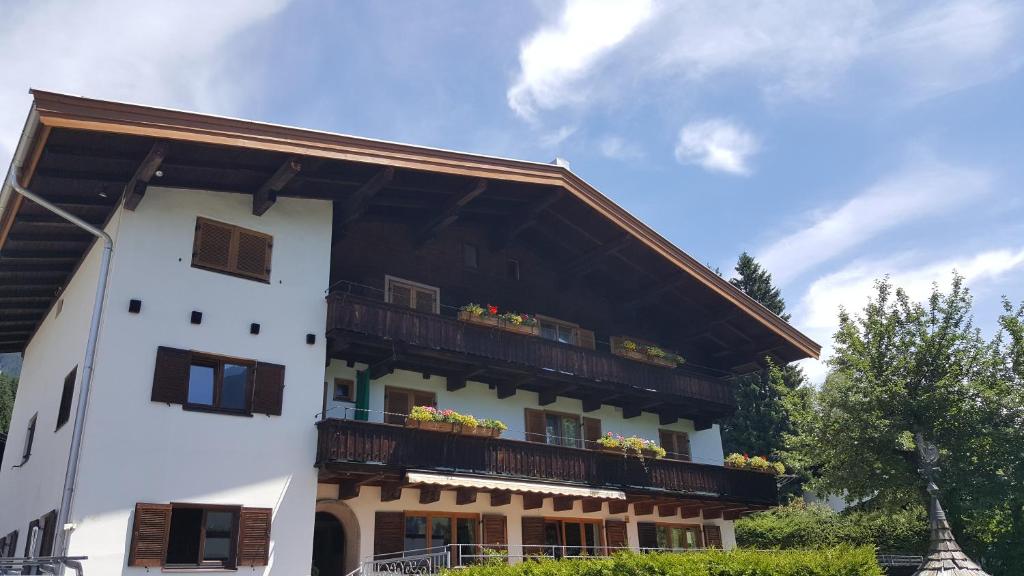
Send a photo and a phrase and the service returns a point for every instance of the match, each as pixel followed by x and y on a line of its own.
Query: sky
pixel 836 142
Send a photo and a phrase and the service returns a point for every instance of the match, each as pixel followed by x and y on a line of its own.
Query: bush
pixel 840 561
pixel 800 525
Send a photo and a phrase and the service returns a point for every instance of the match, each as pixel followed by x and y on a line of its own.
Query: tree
pixel 902 368
pixel 8 388
pixel 756 282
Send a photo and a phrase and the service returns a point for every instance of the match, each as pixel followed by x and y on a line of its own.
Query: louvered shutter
pixel 495 533
pixel 683 445
pixel 149 535
pixel 591 432
pixel 253 254
pixel 648 533
pixel 170 378
pixel 533 535
pixel 268 389
pixel 49 532
pixel 585 338
pixel 254 536
pixel 212 246
pixel 615 534
pixel 712 536
pixel 535 428
pixel 396 405
pixel 232 249
pixel 388 533
pixel 12 544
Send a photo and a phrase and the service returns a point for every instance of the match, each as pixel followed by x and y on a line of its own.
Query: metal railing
pixel 42 565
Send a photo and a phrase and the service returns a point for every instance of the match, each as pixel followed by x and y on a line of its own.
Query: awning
pixel 512 486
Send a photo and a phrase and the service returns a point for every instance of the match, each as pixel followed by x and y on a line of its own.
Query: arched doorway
pixel 328 546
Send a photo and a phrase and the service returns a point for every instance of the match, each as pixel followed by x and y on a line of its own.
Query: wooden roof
pixel 84 154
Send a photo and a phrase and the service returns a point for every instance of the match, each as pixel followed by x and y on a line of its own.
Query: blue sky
pixel 837 141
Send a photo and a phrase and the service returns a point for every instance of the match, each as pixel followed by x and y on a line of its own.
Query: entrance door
pixel 328 546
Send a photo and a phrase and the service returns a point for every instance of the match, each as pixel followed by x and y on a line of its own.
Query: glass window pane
pixel 691 538
pixel 200 385
pixel 573 539
pixel 401 295
pixel 590 535
pixel 570 432
pixel 424 301
pixel 565 335
pixel 440 532
pixel 663 537
pixel 469 256
pixel 184 535
pixel 548 331
pixel 552 428
pixel 232 391
pixel 466 530
pixel 415 533
pixel 218 536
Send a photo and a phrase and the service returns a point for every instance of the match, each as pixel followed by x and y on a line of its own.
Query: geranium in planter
pixel 630 446
pixel 757 463
pixel 430 418
pixel 645 352
pixel 490 316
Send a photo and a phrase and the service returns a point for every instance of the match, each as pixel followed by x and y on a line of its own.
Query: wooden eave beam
pixel 653 290
pixel 356 204
pixel 590 259
pixel 266 195
pixel 449 213
pixel 527 218
pixel 135 189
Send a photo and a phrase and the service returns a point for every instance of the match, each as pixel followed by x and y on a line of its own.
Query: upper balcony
pixel 387 337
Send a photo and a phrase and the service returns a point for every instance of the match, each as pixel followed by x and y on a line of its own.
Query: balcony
pixel 347 445
pixel 388 337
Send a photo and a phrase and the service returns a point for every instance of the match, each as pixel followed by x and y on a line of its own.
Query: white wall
pixel 136 450
pixel 480 401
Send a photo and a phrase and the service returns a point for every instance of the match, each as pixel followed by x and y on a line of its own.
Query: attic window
pixel 470 256
pixel 231 249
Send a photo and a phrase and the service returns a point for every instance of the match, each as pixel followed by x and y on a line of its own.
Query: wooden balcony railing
pixel 360 315
pixel 349 441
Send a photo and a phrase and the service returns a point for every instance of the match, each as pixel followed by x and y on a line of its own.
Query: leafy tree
pixel 8 388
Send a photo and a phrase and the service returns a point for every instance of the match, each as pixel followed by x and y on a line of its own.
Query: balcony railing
pixel 388 445
pixel 364 316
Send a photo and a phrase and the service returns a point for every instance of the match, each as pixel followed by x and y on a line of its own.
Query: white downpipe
pixel 71 476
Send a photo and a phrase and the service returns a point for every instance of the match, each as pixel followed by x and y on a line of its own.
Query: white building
pixel 279 299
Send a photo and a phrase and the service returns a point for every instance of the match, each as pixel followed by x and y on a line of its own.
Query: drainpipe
pixel 71 475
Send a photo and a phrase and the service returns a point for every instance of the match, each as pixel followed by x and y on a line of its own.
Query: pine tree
pixel 756 282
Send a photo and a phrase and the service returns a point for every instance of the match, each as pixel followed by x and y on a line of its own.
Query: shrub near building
pixel 841 561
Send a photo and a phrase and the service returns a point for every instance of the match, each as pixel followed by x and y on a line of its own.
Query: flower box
pixel 480 431
pixel 645 453
pixel 618 348
pixel 495 322
pixel 448 427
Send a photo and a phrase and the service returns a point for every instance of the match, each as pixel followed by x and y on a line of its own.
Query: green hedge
pixel 840 561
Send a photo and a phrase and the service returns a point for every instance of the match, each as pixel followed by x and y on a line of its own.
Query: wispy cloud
pixel 817 312
pixel 168 53
pixel 718 145
pixel 558 54
pixel 617 148
pixel 915 193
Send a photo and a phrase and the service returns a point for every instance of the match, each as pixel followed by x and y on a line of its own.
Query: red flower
pixel 491 308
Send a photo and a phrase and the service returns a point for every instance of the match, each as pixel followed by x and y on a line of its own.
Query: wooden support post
pixel 506 391
pixel 591 404
pixel 465 496
pixel 455 382
pixel 532 501
pixel 429 494
pixel 136 187
pixel 449 213
pixel 348 489
pixel 355 205
pixel 702 424
pixel 664 418
pixel 501 498
pixel 563 503
pixel 266 195
pixel 631 412
pixel 547 397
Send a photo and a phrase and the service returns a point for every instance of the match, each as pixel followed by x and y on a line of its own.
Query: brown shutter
pixel 712 536
pixel 683 445
pixel 648 533
pixel 591 432
pixel 396 405
pixel 533 535
pixel 388 533
pixel 49 531
pixel 268 389
pixel 149 535
pixel 585 338
pixel 254 536
pixel 212 245
pixel 615 534
pixel 536 431
pixel 495 533
pixel 253 254
pixel 170 378
pixel 12 544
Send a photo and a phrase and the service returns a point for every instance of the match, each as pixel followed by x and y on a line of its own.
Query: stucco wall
pixel 136 450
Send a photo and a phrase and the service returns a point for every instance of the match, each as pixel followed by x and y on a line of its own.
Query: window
pixel 576 537
pixel 419 297
pixel 217 383
pixel 398 402
pixel 512 269
pixel 231 249
pixel 678 537
pixel 9 545
pixel 676 444
pixel 30 436
pixel 64 412
pixel 470 256
pixel 344 390
pixel 199 536
pixel 436 529
pixel 563 430
pixel 557 330
pixel 202 536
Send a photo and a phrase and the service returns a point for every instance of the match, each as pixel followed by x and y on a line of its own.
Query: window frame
pixel 698 529
pixel 30 438
pixel 411 392
pixel 414 287
pixel 510 265
pixel 67 395
pixel 572 326
pixel 232 268
pixel 467 250
pixel 674 455
pixel 351 396
pixel 217 362
pixel 600 545
pixel 454 517
pixel 581 441
pixel 204 564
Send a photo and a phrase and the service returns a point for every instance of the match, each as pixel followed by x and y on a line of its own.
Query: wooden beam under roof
pixel 135 189
pixel 449 213
pixel 266 195
pixel 525 219
pixel 591 258
pixel 355 205
pixel 655 289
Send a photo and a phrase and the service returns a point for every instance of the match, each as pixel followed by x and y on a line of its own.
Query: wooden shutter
pixel 533 535
pixel 536 431
pixel 212 245
pixel 170 378
pixel 683 445
pixel 585 338
pixel 254 536
pixel 495 533
pixel 677 444
pixel 232 249
pixel 615 534
pixel 268 389
pixel 591 432
pixel 648 533
pixel 396 405
pixel 149 535
pixel 253 254
pixel 12 544
pixel 49 532
pixel 388 533
pixel 712 536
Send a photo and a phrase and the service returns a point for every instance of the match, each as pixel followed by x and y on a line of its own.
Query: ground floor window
pixel 678 537
pixel 573 537
pixel 425 530
pixel 202 536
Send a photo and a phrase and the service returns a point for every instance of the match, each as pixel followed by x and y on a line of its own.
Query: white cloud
pixel 553 139
pixel 915 193
pixel 558 54
pixel 616 148
pixel 817 312
pixel 168 53
pixel 718 145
